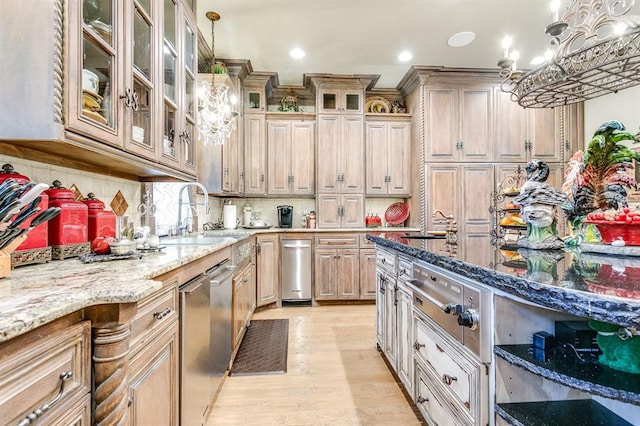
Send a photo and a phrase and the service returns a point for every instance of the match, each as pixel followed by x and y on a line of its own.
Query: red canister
pixel 70 226
pixel 38 237
pixel 102 223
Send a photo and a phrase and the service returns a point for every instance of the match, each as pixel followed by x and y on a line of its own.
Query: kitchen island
pixel 531 290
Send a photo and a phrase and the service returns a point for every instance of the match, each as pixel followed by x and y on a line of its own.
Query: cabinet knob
pixel 130 98
pixel 421 400
pixel 417 345
pixel 185 136
pixel 447 379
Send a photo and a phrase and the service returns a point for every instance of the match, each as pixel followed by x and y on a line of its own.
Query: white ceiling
pixel 366 36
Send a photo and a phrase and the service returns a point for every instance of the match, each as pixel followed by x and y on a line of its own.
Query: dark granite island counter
pixel 532 290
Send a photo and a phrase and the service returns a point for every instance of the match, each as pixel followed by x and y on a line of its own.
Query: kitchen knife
pixel 10 193
pixel 34 192
pixel 47 214
pixel 24 215
pixel 8 211
pixel 12 233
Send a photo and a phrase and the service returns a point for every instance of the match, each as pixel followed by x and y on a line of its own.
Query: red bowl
pixel 611 231
pixel 396 213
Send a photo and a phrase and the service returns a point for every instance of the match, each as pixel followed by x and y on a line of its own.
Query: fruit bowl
pixel 611 230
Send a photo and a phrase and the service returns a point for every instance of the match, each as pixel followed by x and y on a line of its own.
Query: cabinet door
pixel 367 274
pixel 302 165
pixel 280 157
pixel 476 129
pixel 326 287
pixel 380 308
pixel 377 149
pixel 442 193
pixel 352 154
pixel 268 270
pixel 255 99
pixel 391 321
pixel 511 129
pixel 329 146
pixel 545 141
pixel 399 159
pixel 441 124
pixel 348 274
pixel 96 55
pixel 352 211
pixel 405 340
pixel 328 210
pixel 476 185
pixel 153 385
pixel 573 138
pixel 255 154
pixel 337 100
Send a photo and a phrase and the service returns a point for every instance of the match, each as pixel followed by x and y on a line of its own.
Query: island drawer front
pixel 339 241
pixel 386 260
pixel 405 268
pixel 154 311
pixel 33 369
pixel 434 406
pixel 456 373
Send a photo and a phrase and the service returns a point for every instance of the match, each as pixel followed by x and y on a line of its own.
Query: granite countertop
pixel 602 287
pixel 37 294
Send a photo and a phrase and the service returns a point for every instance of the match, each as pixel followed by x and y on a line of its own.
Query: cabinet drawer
pixel 153 312
pixel 350 241
pixel 364 243
pixel 405 268
pixel 32 369
pixel 386 260
pixel 435 407
pixel 455 372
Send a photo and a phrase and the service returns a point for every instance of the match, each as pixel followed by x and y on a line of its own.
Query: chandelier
pixel 595 51
pixel 216 117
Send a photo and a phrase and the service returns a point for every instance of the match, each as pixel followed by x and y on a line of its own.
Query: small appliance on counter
pixel 35 249
pixel 247 212
pixel 229 215
pixel 101 222
pixel 285 216
pixel 69 231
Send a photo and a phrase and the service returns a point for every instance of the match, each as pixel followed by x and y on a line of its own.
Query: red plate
pixel 396 213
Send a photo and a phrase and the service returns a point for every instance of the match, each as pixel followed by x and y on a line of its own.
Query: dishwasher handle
pixel 220 276
pixel 194 284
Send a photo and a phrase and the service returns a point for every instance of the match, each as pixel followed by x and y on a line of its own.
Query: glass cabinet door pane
pixel 329 101
pixel 142 116
pixel 189 3
pixel 146 5
pixel 97 14
pixel 353 102
pixel 190 49
pixel 169 133
pixel 170 61
pixel 254 100
pixel 189 91
pixel 170 22
pixel 97 72
pixel 142 44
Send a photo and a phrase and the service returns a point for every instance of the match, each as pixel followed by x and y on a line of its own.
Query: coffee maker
pixel 285 216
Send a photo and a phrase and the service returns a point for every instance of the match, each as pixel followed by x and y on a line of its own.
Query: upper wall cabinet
pixel 113 79
pixel 458 122
pixel 388 151
pixel 339 100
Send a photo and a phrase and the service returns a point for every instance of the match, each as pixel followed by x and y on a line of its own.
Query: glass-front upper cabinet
pixel 170 152
pixel 336 100
pixel 93 67
pixel 188 133
pixel 140 80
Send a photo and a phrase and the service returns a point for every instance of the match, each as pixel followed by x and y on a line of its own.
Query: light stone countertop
pixel 34 295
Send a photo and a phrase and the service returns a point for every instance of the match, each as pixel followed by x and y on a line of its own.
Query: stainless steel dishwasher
pixel 205 340
pixel 295 270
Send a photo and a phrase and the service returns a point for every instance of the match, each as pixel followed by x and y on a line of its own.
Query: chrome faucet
pixel 451 228
pixel 191 205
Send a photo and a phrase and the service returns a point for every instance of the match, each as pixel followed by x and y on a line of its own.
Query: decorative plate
pixel 380 103
pixel 396 213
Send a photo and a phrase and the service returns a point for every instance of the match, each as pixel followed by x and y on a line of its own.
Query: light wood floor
pixel 335 376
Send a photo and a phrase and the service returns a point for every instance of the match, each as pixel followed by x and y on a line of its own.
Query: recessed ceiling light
pixel 405 56
pixel 297 53
pixel 461 39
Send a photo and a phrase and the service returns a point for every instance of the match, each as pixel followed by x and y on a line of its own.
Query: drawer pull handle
pixel 447 379
pixel 421 400
pixel 417 345
pixel 162 314
pixel 35 414
pixel 439 348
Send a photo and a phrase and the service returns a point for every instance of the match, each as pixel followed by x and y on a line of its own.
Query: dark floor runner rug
pixel 263 349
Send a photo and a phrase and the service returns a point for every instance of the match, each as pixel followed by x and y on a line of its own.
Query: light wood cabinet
pixel 340 168
pixel 340 100
pixel 244 302
pixel 523 134
pixel 337 267
pixel 340 210
pixel 462 190
pixel 458 122
pixel 367 274
pixel 52 360
pixel 388 152
pixel 268 268
pixel 291 156
pixel 255 154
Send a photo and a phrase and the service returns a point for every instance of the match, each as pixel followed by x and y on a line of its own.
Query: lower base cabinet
pixel 244 302
pixel 268 269
pixel 337 275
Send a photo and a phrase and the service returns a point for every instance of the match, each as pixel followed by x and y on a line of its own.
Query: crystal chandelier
pixel 216 117
pixel 595 50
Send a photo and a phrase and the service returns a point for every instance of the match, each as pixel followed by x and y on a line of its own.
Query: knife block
pixel 5 256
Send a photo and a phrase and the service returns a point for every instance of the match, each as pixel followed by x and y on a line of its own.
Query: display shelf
pixel 506 189
pixel 583 412
pixel 562 366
